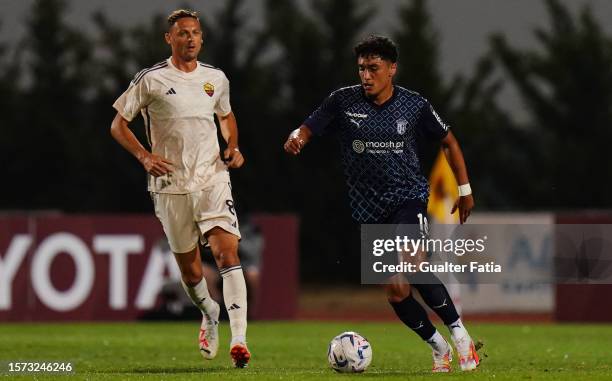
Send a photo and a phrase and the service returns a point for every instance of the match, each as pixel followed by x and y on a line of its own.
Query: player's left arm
pixel 454 156
pixel 229 130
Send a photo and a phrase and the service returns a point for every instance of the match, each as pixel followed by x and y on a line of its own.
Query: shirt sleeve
pixel 322 119
pixel 223 107
pixel 134 99
pixel 430 123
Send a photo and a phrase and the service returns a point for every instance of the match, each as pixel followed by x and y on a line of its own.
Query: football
pixel 349 352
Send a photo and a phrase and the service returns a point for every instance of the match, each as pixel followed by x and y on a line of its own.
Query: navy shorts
pixel 412 216
pixel 408 213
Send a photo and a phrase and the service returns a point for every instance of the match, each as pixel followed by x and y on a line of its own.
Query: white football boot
pixel 442 361
pixel 209 334
pixel 468 357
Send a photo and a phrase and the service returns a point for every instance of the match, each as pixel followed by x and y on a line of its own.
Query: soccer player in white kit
pixel 188 179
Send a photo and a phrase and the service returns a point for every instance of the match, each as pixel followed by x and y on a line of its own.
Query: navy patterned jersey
pixel 379 146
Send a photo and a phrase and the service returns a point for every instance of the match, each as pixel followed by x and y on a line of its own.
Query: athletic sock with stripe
pixel 235 296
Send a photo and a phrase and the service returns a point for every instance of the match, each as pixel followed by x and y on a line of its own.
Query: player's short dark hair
pixel 179 14
pixel 374 45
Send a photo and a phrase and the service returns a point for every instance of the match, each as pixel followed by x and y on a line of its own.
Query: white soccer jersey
pixel 178 109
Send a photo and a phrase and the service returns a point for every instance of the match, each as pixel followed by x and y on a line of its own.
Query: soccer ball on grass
pixel 349 352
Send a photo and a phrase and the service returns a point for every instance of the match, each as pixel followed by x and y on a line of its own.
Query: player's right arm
pixel 317 123
pixel 128 105
pixel 297 139
pixel 153 164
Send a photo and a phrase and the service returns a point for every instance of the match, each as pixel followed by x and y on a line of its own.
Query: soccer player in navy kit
pixel 379 125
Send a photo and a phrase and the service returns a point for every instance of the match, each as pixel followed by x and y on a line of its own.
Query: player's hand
pixel 465 205
pixel 294 143
pixel 233 157
pixel 156 165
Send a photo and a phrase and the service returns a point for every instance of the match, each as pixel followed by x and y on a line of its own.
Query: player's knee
pixel 397 292
pixel 226 255
pixel 192 277
pixel 191 273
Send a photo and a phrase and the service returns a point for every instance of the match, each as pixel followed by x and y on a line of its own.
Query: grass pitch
pixel 297 351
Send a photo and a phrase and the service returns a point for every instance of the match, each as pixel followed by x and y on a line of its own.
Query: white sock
pixel 235 296
pixel 200 297
pixel 438 343
pixel 457 330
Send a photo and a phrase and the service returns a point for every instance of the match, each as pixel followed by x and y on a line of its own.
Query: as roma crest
pixel 209 89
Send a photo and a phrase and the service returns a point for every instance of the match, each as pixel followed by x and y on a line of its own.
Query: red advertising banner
pixel 113 267
pixel 582 302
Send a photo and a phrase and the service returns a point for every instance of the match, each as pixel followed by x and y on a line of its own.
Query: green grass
pixel 297 351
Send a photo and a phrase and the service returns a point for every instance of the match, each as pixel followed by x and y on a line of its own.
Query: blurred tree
pixel 10 106
pixel 489 139
pixel 342 23
pixel 59 59
pixel 469 105
pixel 419 67
pixel 114 63
pixel 314 58
pixel 254 84
pixel 10 77
pixel 121 180
pixel 567 88
pixel 148 43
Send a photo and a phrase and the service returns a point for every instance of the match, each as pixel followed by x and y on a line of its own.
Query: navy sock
pixel 411 313
pixel 435 295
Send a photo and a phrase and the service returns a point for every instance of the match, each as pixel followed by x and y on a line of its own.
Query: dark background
pixel 58 82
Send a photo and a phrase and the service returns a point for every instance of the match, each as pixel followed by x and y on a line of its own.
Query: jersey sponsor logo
pixel 358 146
pixel 442 124
pixel 209 89
pixel 355 122
pixel 356 115
pixel 390 146
pixel 401 126
pixel 171 91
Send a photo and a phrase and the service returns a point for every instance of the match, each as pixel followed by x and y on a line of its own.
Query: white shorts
pixel 186 218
